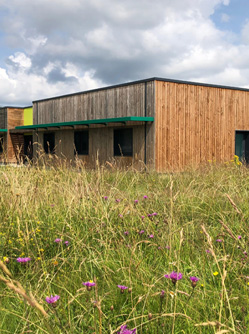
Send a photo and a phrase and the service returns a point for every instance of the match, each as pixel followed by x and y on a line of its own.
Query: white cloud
pixel 73 45
pixel 21 60
pixel 20 87
pixel 225 18
pixel 245 33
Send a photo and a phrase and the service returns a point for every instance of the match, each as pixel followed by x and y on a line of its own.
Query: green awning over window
pixel 3 130
pixel 104 121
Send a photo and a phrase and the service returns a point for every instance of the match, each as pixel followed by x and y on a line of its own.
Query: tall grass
pixel 102 214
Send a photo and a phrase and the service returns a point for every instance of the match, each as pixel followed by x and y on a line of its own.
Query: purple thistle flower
pixel 162 294
pixel 89 285
pixel 194 280
pixel 174 276
pixel 208 251
pixel 122 288
pixel 149 215
pixel 167 247
pixel 124 330
pixel 52 300
pixel 57 240
pixel 66 243
pixel 142 217
pixel 141 232
pixel 219 240
pixel 151 236
pixel 126 232
pixel 154 214
pixel 239 237
pixel 117 200
pixel 23 259
pixel 145 196
pixel 105 197
pixel 136 201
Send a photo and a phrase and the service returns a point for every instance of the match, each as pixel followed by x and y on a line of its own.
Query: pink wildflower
pixel 23 259
pixel 52 300
pixel 174 276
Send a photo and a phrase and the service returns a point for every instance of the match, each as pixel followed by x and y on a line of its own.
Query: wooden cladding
pixel 14 118
pixel 197 123
pixel 100 146
pixel 194 123
pixel 3 118
pixel 122 101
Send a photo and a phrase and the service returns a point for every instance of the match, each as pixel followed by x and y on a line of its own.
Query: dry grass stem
pixel 234 205
pixel 5 269
pixel 19 289
pixel 227 229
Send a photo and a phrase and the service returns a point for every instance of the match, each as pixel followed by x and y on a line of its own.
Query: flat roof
pixel 11 107
pixel 103 121
pixel 144 81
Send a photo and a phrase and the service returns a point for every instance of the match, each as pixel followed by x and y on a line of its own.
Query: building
pixel 13 146
pixel 159 123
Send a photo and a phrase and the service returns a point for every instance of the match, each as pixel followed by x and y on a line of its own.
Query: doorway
pixel 242 145
pixel 28 147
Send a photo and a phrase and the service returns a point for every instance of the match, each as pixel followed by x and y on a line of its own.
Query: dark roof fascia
pixel 144 81
pixel 11 107
pixel 202 84
pixel 87 122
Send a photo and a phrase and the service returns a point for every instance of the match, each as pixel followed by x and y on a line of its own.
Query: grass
pixel 191 210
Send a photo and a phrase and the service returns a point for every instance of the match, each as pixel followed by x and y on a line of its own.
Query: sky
pixel 55 47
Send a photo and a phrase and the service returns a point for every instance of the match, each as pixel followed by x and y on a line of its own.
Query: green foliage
pixel 39 205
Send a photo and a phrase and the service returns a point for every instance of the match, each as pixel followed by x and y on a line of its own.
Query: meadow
pixel 111 251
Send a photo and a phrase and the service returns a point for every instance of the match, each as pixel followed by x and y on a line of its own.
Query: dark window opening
pixel 28 147
pixel 123 142
pixel 49 142
pixel 242 145
pixel 1 144
pixel 81 142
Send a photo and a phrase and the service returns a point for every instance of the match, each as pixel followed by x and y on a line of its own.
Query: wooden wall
pixel 129 100
pixel 14 118
pixel 3 125
pixel 121 101
pixel 3 118
pixel 196 123
pixel 100 147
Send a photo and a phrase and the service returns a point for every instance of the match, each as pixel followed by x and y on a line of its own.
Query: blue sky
pixel 233 16
pixel 55 47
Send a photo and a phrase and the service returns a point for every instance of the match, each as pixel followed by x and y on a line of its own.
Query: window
pixel 81 142
pixel 49 142
pixel 242 145
pixel 123 142
pixel 1 144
